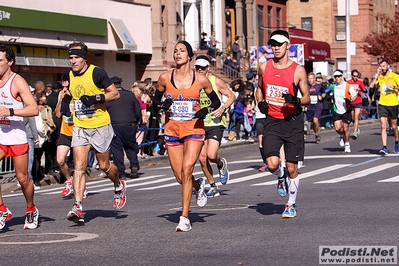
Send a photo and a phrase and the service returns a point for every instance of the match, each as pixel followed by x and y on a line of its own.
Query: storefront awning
pixel 126 41
pixel 314 50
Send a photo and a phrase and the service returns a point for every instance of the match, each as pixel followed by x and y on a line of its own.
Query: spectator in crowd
pixel 237 51
pixel 139 91
pixel 125 115
pixel 237 86
pixel 212 46
pixel 153 124
pixel 239 114
pixel 250 84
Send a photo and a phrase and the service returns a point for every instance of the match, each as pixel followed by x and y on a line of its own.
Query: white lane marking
pixel 308 174
pixel 175 183
pixel 392 179
pixel 359 174
pixel 93 184
pixel 77 237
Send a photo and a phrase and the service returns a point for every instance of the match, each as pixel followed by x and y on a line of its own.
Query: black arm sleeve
pixel 157 100
pixel 215 100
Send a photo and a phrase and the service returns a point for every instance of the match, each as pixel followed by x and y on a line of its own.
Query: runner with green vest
pixel 215 123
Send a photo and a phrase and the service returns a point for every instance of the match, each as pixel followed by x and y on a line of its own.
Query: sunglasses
pixel 337 76
pixel 355 76
pixel 200 67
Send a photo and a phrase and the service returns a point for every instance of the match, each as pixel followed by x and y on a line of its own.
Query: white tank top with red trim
pixel 12 128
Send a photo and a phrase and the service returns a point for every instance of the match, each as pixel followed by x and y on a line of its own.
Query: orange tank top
pixel 179 120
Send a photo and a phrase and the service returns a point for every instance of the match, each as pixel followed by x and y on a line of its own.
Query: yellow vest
pixel 87 117
pixel 209 120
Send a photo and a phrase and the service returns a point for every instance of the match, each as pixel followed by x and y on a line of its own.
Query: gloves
pixel 90 100
pixel 289 98
pixel 263 107
pixel 201 114
pixel 347 101
pixel 166 104
pixel 67 98
pixel 65 110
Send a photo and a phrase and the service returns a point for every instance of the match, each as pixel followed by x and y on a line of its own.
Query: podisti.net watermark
pixel 358 255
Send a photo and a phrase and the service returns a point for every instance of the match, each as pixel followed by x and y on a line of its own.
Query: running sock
pixel 293 184
pixel 31 209
pixel 119 186
pixel 213 185
pixel 3 207
pixel 396 142
pixel 283 164
pixel 279 172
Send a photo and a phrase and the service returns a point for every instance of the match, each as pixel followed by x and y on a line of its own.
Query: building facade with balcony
pixel 40 31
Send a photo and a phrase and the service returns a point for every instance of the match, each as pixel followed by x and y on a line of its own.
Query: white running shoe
pixel 200 193
pixel 31 219
pixel 184 225
pixel 347 148
pixel 4 217
pixel 341 141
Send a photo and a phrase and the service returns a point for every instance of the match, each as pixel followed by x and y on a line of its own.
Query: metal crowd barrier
pixel 7 166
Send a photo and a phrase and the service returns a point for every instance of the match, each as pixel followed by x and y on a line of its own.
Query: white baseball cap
pixel 201 62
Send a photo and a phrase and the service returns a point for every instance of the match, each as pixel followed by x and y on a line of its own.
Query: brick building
pixel 326 19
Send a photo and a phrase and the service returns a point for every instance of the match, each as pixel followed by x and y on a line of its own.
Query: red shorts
pixel 14 150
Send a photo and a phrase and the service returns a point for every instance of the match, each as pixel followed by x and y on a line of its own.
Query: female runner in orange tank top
pixel 184 127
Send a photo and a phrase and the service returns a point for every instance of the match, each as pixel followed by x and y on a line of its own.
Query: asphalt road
pixel 343 199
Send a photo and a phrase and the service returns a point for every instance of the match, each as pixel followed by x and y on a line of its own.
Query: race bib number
pixel 81 111
pixel 313 99
pixel 274 94
pixel 68 120
pixel 385 89
pixel 182 111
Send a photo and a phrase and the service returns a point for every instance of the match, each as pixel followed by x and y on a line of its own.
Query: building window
pixel 278 15
pixel 307 23
pixel 269 19
pixel 340 28
pixel 261 31
pixel 123 57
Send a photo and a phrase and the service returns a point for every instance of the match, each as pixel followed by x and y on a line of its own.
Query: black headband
pixel 189 49
pixel 79 52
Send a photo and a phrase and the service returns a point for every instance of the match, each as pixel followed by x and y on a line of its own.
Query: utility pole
pixel 348 39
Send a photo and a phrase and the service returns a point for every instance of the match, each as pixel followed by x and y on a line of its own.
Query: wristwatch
pixel 98 98
pixel 224 108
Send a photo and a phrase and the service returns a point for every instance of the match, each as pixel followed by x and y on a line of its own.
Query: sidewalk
pixel 8 182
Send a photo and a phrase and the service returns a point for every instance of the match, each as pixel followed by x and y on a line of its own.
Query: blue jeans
pixel 31 157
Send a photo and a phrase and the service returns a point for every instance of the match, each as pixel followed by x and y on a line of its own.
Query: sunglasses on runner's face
pixel 337 76
pixel 200 67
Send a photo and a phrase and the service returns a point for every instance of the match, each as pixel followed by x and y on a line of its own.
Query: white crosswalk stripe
pixel 358 174
pixel 308 174
pixel 392 179
pixel 247 174
pixel 175 183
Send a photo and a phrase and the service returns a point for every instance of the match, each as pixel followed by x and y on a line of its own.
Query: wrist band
pixel 11 111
